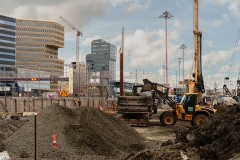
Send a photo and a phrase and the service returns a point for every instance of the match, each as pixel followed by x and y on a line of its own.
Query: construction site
pixel 52 111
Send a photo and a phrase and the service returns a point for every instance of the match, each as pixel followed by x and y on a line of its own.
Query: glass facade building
pixel 7 40
pixel 103 59
pixel 7 49
pixel 37 44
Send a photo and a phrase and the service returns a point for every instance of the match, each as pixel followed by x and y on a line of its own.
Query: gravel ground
pixel 7 128
pixel 82 133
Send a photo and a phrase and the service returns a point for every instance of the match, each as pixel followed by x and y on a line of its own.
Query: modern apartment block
pixel 7 50
pixel 37 44
pixel 103 59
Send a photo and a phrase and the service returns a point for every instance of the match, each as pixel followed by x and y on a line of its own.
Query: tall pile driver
pixel 191 107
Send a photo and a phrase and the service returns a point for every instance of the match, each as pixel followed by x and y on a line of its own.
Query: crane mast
pixel 79 33
pixel 197 85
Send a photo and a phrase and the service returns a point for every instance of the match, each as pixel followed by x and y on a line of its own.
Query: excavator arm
pixel 163 92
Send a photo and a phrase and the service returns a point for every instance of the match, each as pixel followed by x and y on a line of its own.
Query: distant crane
pixel 136 73
pixel 79 33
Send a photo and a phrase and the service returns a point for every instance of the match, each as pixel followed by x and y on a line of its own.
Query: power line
pixel 137 73
pixel 233 54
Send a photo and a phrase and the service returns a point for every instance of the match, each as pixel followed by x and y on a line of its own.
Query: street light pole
pixel 164 75
pixel 183 46
pixel 176 79
pixel 179 62
pixel 166 15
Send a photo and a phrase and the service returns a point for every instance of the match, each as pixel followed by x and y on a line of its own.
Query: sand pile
pixel 82 133
pixel 220 139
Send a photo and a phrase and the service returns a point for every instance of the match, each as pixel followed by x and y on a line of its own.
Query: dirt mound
pixel 171 152
pixel 82 133
pixel 7 128
pixel 219 139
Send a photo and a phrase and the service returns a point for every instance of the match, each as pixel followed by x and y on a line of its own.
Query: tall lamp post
pixel 183 46
pixel 166 15
pixel 176 79
pixel 164 74
pixel 179 62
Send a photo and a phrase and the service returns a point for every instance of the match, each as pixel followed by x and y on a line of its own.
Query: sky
pixel 144 32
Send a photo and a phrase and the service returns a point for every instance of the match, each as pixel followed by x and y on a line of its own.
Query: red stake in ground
pixel 54 140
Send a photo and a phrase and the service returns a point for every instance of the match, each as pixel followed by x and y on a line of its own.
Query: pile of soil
pixel 82 133
pixel 172 152
pixel 219 139
pixel 7 128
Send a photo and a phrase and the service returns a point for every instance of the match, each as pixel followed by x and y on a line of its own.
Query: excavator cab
pixel 189 102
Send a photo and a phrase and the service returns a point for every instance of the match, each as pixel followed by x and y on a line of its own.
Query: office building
pixel 7 40
pixel 7 50
pixel 37 44
pixel 103 60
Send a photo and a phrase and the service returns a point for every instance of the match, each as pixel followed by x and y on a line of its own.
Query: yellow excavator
pixel 191 107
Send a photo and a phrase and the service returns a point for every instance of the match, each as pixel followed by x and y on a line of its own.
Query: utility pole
pixel 166 15
pixel 183 46
pixel 136 74
pixel 121 65
pixel 176 79
pixel 163 66
pixel 179 62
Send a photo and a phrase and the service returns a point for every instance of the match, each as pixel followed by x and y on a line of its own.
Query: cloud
pixel 234 8
pixel 209 43
pixel 135 6
pixel 141 49
pixel 132 5
pixel 215 57
pixel 177 24
pixel 233 5
pixel 224 69
pixel 215 80
pixel 78 12
pixel 224 18
pixel 87 42
pixel 217 2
